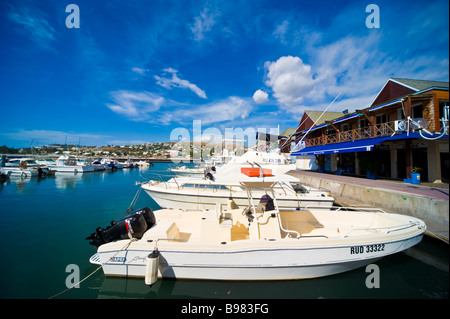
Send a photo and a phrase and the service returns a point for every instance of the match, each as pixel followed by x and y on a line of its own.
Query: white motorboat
pixel 128 164
pixel 67 163
pixel 98 166
pixel 143 163
pixel 203 193
pixel 188 171
pixel 24 167
pixel 19 171
pixel 86 163
pixel 184 193
pixel 260 242
pixel 45 161
pixel 111 164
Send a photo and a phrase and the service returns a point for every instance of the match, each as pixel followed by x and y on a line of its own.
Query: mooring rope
pixel 134 201
pixel 98 268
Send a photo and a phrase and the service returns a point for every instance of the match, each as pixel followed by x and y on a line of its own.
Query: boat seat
pixel 226 220
pixel 163 229
pixel 266 203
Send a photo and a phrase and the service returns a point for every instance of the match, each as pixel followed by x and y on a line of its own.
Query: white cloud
pixel 202 24
pixel 136 106
pixel 127 142
pixel 175 81
pixel 260 97
pixel 42 137
pixel 31 22
pixel 280 31
pixel 148 107
pixel 339 105
pixel 351 66
pixel 138 70
pixel 225 110
pixel 290 79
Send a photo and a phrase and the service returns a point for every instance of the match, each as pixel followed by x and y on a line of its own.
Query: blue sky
pixel 136 70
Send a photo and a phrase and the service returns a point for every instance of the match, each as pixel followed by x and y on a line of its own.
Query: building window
pixel 364 123
pixel 380 128
pixel 382 118
pixel 417 111
pixel 346 133
pixel 400 114
pixel 330 131
pixel 364 127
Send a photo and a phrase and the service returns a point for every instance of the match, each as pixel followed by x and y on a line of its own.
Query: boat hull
pixel 87 168
pixel 188 174
pixel 196 200
pixel 23 172
pixel 270 262
pixel 99 167
pixel 75 169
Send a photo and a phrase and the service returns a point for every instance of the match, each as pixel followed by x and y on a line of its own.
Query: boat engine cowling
pixel 131 226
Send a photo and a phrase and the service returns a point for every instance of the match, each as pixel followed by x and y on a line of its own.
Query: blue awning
pixel 346 147
pixel 354 146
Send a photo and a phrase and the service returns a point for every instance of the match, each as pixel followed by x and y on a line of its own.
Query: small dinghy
pixel 260 242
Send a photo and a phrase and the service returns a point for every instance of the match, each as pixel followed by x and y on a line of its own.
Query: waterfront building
pixel 405 127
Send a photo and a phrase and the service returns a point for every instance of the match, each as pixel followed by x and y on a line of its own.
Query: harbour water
pixel 45 222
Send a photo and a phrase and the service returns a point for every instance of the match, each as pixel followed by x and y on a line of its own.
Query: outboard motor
pixel 131 226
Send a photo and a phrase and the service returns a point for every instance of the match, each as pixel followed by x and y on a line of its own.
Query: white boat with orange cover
pixel 205 193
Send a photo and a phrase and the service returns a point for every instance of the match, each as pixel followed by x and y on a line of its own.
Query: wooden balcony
pixel 378 130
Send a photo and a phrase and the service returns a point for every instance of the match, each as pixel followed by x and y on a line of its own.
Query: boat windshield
pixel 299 189
pixel 205 186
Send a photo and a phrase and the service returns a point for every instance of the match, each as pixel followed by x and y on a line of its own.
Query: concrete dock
pixel 427 201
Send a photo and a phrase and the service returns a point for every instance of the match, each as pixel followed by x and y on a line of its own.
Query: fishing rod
pixel 297 145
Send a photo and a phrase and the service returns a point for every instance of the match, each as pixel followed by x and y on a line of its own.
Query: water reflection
pixel 21 183
pixel 67 180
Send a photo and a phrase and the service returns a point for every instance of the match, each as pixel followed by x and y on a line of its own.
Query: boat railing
pixel 276 211
pixel 175 182
pixel 162 178
pixel 367 209
pixel 346 208
pixel 284 186
pixel 311 186
pixel 179 187
pixel 286 230
pixel 388 229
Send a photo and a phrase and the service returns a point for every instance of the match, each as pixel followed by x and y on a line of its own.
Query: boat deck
pixel 427 201
pixel 230 226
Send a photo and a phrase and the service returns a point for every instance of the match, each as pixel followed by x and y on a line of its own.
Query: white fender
pixel 151 267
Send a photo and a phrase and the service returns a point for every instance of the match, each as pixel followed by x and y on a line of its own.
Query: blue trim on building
pixel 355 146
